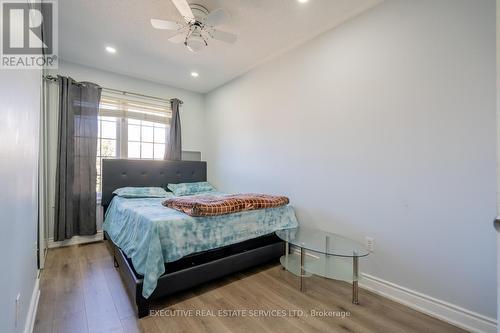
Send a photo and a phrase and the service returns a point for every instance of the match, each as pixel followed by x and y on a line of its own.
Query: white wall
pixel 384 127
pixel 19 118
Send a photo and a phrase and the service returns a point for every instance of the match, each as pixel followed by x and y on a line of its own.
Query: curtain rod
pixel 54 79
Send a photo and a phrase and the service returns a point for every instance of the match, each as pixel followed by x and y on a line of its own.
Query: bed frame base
pixel 196 269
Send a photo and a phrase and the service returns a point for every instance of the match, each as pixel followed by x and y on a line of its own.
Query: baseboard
pixel 76 240
pixel 453 314
pixel 30 317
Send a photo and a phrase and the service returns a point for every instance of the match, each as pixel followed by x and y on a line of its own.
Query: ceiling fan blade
pixel 183 8
pixel 216 17
pixel 165 25
pixel 223 36
pixel 178 38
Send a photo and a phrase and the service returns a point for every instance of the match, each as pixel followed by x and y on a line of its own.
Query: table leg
pixel 302 270
pixel 287 250
pixel 327 246
pixel 355 280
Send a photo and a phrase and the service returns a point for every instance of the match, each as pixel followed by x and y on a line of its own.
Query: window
pixel 146 139
pixel 131 127
pixel 107 143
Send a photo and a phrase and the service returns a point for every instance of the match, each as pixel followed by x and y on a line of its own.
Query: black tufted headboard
pixel 118 173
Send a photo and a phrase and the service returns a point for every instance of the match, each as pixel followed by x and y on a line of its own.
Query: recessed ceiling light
pixel 302 1
pixel 110 49
pixel 194 74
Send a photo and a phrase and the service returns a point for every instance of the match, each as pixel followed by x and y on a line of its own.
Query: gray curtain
pixel 173 150
pixel 75 204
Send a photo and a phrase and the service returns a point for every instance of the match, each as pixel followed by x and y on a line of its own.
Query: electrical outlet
pixel 370 243
pixel 18 309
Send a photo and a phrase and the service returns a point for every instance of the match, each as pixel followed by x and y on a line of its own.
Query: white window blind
pixel 138 108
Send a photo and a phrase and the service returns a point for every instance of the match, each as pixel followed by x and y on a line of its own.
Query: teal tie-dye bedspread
pixel 151 234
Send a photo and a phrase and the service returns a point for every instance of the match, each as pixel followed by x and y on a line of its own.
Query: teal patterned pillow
pixel 142 192
pixel 191 188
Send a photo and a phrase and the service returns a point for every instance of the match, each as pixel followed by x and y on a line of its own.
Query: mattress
pixel 152 235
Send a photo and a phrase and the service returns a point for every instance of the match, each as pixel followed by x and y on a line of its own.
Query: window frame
pixel 121 138
pixel 154 127
pixel 100 157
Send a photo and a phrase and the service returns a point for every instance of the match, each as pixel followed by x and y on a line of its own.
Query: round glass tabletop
pixel 323 242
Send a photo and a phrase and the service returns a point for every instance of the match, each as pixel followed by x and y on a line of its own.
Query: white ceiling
pixel 265 29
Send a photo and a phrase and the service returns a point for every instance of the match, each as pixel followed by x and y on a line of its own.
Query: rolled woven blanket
pixel 209 205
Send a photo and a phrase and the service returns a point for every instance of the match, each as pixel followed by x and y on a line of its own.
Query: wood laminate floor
pixel 82 292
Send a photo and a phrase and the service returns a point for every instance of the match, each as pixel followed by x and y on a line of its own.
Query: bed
pixel 160 251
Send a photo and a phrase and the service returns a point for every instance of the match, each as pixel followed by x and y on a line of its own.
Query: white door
pixel 43 181
pixel 497 222
pixel 497 227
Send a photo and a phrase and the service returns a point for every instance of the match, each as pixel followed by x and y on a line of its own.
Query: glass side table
pixel 322 253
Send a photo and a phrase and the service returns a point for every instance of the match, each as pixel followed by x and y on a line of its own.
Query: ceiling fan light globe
pixel 195 44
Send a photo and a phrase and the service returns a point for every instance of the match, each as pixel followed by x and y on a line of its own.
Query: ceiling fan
pixel 198 26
